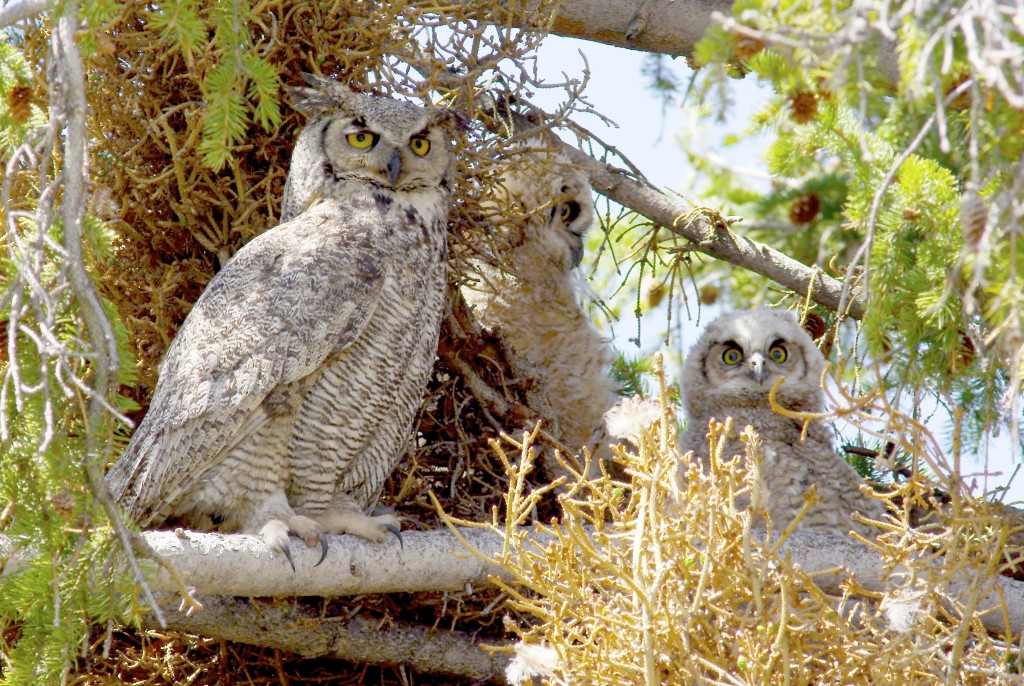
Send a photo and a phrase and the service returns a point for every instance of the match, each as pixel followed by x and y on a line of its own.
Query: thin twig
pixel 101 334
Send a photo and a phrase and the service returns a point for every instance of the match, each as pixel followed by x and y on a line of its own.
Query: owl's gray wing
pixel 290 298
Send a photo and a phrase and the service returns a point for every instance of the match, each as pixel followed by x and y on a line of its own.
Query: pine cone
pixel 973 216
pixel 805 209
pixel 803 107
pixel 745 47
pixel 19 103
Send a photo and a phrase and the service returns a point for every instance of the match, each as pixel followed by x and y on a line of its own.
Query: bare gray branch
pixel 710 234
pixel 19 10
pixel 73 107
pixel 217 564
pixel 299 629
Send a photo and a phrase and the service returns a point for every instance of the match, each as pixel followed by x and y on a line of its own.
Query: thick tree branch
pixel 219 564
pixel 711 235
pixel 436 561
pixel 300 629
pixel 667 27
pixel 238 565
pixel 815 553
pixel 670 27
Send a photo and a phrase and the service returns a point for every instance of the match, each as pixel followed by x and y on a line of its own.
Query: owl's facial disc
pixel 758 369
pixel 356 151
pixel 752 366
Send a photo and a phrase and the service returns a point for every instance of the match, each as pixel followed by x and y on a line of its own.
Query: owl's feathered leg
pixel 346 517
pixel 274 520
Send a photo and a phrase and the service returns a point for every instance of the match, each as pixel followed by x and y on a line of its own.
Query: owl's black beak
pixel 395 167
pixel 757 369
pixel 576 249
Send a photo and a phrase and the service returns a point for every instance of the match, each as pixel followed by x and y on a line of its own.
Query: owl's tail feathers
pixel 127 481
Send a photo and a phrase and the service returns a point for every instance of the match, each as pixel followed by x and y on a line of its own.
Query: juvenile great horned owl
pixel 543 209
pixel 729 373
pixel 288 394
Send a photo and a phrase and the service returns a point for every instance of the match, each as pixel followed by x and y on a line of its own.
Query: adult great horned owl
pixel 288 394
pixel 540 213
pixel 729 373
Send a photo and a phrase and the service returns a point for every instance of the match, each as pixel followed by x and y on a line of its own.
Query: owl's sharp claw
pixel 287 550
pixel 323 549
pixel 275 534
pixel 397 532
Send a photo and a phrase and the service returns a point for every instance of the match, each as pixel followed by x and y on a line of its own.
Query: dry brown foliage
pixel 177 221
pixel 661 580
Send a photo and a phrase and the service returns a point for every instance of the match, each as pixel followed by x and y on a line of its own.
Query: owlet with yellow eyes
pixel 288 395
pixel 729 373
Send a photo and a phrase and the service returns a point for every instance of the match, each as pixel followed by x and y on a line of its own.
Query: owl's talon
pixel 287 551
pixel 323 549
pixel 397 532
pixel 275 534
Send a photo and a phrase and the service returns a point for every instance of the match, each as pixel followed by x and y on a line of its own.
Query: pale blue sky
pixel 650 137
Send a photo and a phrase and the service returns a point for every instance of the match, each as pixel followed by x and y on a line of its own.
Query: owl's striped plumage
pixel 542 209
pixel 287 396
pixel 729 373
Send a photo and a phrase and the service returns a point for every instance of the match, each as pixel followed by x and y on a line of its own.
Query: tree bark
pixel 667 27
pixel 298 628
pixel 815 553
pixel 20 10
pixel 710 235
pixel 237 565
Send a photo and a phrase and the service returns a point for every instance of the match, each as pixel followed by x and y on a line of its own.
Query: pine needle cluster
pixel 900 177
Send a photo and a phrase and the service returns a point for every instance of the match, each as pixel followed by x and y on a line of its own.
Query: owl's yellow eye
pixel 732 356
pixel 778 353
pixel 420 146
pixel 569 211
pixel 362 140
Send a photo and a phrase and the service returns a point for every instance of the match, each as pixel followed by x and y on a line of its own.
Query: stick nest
pixel 177 221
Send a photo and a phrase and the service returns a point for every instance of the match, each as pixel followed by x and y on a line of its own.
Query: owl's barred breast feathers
pixel 289 392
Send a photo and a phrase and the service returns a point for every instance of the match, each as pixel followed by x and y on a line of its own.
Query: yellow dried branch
pixel 662 580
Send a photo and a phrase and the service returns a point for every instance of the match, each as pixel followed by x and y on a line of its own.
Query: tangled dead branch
pixel 648 581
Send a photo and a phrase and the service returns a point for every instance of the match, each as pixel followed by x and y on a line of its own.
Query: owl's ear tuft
pixel 324 95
